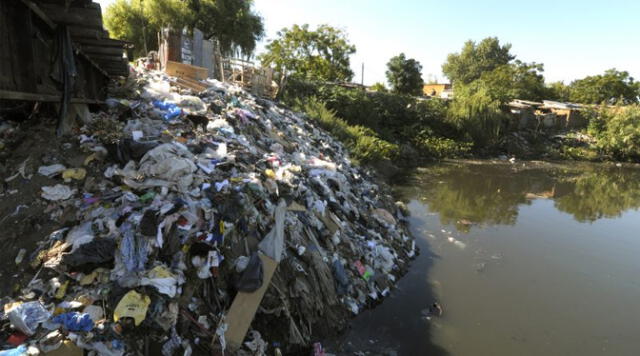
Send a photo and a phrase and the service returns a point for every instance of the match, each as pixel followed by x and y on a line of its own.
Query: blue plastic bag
pixel 75 321
pixel 18 351
pixel 172 110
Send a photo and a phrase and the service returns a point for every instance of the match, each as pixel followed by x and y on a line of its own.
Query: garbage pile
pixel 203 223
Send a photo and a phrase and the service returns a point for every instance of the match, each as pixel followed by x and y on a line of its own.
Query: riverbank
pixel 181 207
pixel 409 131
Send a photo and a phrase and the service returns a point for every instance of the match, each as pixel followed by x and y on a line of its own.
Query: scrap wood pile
pixel 213 223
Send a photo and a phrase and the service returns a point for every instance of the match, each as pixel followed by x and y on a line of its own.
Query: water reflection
pixel 466 195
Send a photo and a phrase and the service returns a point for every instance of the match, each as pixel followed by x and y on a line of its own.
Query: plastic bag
pixel 26 317
pixel 57 192
pixel 50 171
pixel 273 244
pixel 95 252
pixel 18 351
pixel 251 279
pixel 132 305
pixel 162 279
pixel 341 277
pixel 74 321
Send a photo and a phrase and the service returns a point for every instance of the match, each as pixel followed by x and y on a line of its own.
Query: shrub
pixel 363 143
pixel 478 114
pixel 440 147
pixel 617 130
pixel 390 119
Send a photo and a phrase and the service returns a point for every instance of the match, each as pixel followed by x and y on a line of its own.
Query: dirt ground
pixel 25 218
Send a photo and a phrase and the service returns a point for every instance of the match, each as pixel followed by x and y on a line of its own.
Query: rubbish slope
pixel 205 223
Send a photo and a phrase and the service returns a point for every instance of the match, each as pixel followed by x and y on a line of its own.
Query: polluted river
pixel 523 259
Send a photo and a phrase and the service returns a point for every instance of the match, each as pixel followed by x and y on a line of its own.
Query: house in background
pixel 444 91
pixel 549 115
pixel 184 47
pixel 190 56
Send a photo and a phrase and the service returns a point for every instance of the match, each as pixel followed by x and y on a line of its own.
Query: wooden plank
pixel 36 9
pixel 186 71
pixel 79 51
pixel 87 17
pixel 86 32
pixel 105 42
pixel 114 51
pixel 18 59
pixel 245 306
pixel 21 96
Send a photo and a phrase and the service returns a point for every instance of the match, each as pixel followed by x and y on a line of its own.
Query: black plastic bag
pixel 252 276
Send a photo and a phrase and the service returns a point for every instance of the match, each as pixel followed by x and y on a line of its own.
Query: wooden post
pixel 220 56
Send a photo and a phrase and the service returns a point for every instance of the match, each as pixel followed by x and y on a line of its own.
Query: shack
pixel 568 115
pixel 56 50
pixel 549 115
pixel 524 112
pixel 179 48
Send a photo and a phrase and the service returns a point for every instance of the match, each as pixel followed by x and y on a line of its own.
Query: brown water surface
pixel 526 259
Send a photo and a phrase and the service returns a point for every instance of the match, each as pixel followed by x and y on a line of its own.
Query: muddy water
pixel 530 259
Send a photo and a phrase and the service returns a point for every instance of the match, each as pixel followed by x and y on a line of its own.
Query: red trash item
pixel 17 338
pixel 360 267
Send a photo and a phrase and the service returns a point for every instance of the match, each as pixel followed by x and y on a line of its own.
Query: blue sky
pixel 572 38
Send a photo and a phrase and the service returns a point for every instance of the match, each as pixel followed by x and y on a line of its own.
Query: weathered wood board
pixel 245 305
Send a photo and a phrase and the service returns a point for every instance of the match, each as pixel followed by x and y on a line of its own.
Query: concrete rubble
pixel 191 213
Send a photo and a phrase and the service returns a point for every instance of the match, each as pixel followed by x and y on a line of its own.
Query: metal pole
pixel 362 75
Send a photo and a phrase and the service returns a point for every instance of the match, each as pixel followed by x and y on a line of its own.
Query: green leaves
pixel 617 130
pixel 231 22
pixel 485 78
pixel 611 87
pixel 404 75
pixel 476 59
pixel 363 143
pixel 322 54
pixel 126 20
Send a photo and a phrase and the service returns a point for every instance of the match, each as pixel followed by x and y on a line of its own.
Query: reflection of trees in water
pixel 601 193
pixel 492 194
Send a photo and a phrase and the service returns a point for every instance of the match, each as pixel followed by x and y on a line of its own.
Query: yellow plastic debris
pixel 62 290
pixel 132 305
pixel 90 158
pixel 160 272
pixel 270 173
pixel 89 278
pixel 74 173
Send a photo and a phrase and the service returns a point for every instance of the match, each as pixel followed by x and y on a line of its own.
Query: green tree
pixel 475 59
pixel 558 91
pixel 173 13
pixel 322 54
pixel 617 130
pixel 517 80
pixel 126 20
pixel 232 22
pixel 478 111
pixel 379 87
pixel 611 87
pixel 405 75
